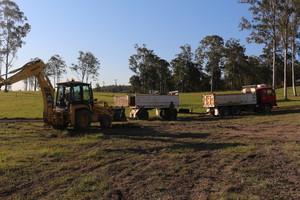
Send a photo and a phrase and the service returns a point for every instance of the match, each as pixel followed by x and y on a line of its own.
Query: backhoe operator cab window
pixel 62 96
pixel 73 95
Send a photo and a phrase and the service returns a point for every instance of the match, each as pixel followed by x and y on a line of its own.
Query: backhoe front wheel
pixel 83 120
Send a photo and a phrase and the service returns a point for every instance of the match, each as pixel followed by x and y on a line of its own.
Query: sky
pixel 110 28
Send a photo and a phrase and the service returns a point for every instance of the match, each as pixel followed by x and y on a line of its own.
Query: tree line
pixel 223 65
pixel 86 68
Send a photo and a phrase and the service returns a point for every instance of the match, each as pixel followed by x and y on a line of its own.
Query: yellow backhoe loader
pixel 74 104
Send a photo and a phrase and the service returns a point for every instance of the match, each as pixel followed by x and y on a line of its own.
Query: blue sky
pixel 110 28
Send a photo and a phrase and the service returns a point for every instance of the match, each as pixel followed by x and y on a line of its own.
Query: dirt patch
pixel 251 156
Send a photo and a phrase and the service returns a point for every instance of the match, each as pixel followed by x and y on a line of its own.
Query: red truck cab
pixel 266 98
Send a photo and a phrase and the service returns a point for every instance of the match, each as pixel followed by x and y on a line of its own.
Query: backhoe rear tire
pixel 83 120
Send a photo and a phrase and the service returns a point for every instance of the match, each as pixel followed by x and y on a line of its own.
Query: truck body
pixel 141 103
pixel 253 98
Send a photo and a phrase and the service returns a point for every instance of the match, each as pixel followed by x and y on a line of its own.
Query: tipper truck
pixel 253 98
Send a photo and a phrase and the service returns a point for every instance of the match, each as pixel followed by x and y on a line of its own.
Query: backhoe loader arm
pixel 35 68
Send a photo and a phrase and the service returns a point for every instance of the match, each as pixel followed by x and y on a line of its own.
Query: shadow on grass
pixel 173 142
pixel 179 147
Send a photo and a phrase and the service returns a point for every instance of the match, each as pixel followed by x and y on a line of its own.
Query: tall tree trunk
pixel 35 84
pixel 285 67
pixel 6 70
pixel 274 85
pixel 293 67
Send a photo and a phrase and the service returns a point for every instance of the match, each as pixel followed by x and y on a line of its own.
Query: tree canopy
pixel 13 28
pixel 87 66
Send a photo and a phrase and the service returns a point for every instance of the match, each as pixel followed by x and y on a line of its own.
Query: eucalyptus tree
pixel 87 66
pixel 186 73
pixel 285 14
pixel 56 67
pixel 295 25
pixel 264 27
pixel 151 71
pixel 13 28
pixel 235 64
pixel 210 54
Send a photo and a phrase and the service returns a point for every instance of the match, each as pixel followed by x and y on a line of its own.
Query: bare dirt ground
pixel 253 156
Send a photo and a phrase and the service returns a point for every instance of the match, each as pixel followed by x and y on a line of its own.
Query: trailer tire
pixel 267 108
pixel 224 111
pixel 105 121
pixel 172 114
pixel 142 114
pixel 236 110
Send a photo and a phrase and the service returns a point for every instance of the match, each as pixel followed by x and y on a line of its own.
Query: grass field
pixel 252 156
pixel 30 104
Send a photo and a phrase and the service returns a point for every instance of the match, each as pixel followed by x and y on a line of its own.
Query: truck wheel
pixel 105 121
pixel 267 108
pixel 224 111
pixel 83 119
pixel 142 114
pixel 236 110
pixel 172 114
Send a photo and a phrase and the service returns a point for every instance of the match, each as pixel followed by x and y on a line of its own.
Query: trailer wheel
pixel 236 110
pixel 142 114
pixel 105 121
pixel 267 108
pixel 83 119
pixel 172 114
pixel 224 111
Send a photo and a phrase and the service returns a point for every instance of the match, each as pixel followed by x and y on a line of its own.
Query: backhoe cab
pixel 74 105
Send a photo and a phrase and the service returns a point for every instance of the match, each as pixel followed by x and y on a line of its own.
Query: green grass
pixel 244 157
pixel 30 104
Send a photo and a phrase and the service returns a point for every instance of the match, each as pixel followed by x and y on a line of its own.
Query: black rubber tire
pixel 266 108
pixel 105 121
pixel 142 114
pixel 224 111
pixel 83 120
pixel 236 110
pixel 172 114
